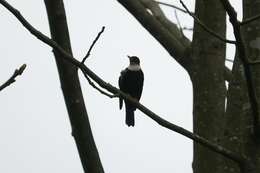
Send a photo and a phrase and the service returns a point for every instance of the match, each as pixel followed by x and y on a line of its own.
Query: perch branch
pixel 11 80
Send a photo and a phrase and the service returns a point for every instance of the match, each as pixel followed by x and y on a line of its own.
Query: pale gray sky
pixel 34 126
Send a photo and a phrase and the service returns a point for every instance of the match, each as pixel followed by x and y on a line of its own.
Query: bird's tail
pixel 130 117
pixel 120 103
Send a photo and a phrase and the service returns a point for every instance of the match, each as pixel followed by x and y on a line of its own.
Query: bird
pixel 131 82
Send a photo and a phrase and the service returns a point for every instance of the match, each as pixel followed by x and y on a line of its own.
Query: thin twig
pixel 97 88
pixel 254 62
pixel 187 28
pixel 92 45
pixel 84 59
pixel 173 6
pixel 205 27
pixel 229 60
pixel 178 21
pixel 240 159
pixel 11 80
pixel 251 19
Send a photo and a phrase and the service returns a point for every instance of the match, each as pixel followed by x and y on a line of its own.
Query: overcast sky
pixel 34 126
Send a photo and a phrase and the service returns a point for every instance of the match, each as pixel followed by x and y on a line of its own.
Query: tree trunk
pixel 70 85
pixel 207 75
pixel 239 127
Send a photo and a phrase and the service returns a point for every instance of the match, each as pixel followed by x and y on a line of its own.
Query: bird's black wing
pixel 140 83
pixel 121 86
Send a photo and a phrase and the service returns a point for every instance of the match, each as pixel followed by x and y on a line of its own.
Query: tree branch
pixel 240 46
pixel 92 45
pixel 254 62
pixel 11 80
pixel 97 88
pixel 162 29
pixel 173 6
pixel 205 27
pixel 175 11
pixel 229 60
pixel 240 159
pixel 249 20
pixel 187 28
pixel 178 21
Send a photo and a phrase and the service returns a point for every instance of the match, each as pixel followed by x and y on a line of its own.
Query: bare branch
pixel 249 20
pixel 92 45
pixel 162 29
pixel 11 80
pixel 178 21
pixel 205 27
pixel 229 60
pixel 254 62
pixel 173 6
pixel 97 88
pixel 240 159
pixel 187 28
pixel 240 46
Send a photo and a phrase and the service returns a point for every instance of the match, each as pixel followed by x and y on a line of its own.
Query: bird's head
pixel 134 60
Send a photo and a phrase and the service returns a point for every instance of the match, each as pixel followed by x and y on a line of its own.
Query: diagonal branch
pixel 205 27
pixel 240 46
pixel 249 20
pixel 11 80
pixel 240 159
pixel 162 29
pixel 178 21
pixel 254 62
pixel 92 45
pixel 97 88
pixel 173 6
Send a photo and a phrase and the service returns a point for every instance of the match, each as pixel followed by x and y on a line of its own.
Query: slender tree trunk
pixel 239 127
pixel 251 35
pixel 70 85
pixel 207 75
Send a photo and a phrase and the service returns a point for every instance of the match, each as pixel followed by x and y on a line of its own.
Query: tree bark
pixel 70 85
pixel 251 35
pixel 239 126
pixel 207 75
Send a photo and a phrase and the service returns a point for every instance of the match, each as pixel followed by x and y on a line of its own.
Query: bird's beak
pixel 128 56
